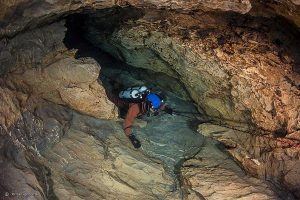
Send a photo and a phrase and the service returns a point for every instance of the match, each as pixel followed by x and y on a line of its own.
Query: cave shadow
pixel 106 20
pixel 75 39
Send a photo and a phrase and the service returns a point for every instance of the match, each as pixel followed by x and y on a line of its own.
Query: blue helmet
pixel 154 99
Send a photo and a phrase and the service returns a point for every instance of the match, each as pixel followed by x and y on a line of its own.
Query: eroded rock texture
pixel 214 175
pixel 15 168
pixel 95 161
pixel 39 64
pixel 22 14
pixel 261 155
pixel 39 70
pixel 233 72
pixel 69 82
pixel 33 132
pixel 242 71
pixel 247 76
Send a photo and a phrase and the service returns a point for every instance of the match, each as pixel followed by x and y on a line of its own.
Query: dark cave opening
pixel 282 33
pixel 76 39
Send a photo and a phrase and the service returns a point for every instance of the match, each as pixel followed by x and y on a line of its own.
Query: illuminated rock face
pixel 245 77
pixel 44 67
pixel 241 71
pixel 17 15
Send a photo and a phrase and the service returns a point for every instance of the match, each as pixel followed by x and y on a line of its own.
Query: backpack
pixel 134 94
pixel 140 94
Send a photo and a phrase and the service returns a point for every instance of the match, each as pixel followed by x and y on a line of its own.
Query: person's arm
pixel 132 113
pixel 167 109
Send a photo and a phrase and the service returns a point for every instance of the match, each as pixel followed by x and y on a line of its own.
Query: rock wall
pixel 235 73
pixel 95 161
pixel 17 179
pixel 30 134
pixel 23 14
pixel 214 175
pixel 240 76
pixel 38 64
pixel 69 82
pixel 36 47
pixel 247 76
pixel 261 155
pixel 238 50
pixel 56 153
pixel 41 80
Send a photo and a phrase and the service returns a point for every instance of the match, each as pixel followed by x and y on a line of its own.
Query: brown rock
pixel 70 82
pixel 17 179
pixel 261 156
pixel 9 108
pixel 93 167
pixel 254 87
pixel 213 175
pixel 17 15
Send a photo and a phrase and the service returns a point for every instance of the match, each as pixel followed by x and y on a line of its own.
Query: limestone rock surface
pixel 261 155
pixel 213 175
pixel 247 77
pixel 92 159
pixel 39 64
pixel 10 107
pixel 69 82
pixel 32 48
pixel 233 72
pixel 95 160
pixel 17 179
pixel 19 15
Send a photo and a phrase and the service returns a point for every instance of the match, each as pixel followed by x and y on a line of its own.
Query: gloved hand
pixel 168 110
pixel 135 142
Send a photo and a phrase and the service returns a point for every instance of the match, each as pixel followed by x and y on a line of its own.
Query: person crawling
pixel 137 101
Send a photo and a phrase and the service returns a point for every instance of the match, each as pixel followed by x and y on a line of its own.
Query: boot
pixel 135 142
